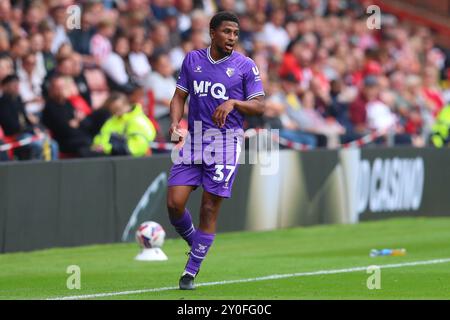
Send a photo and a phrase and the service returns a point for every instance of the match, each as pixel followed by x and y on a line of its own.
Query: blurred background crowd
pixel 103 87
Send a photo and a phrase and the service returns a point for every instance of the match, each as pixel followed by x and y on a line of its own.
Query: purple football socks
pixel 200 246
pixel 184 227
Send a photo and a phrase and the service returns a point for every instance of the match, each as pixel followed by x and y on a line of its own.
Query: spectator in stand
pixel 59 19
pixel 137 95
pixel 246 32
pixel 34 14
pixel 297 60
pixel 160 37
pixel 160 9
pixel 385 119
pixel 19 48
pixel 5 16
pixel 139 64
pixel 30 86
pixel 178 53
pixel 13 119
pixel 148 48
pixel 278 117
pixel 338 108
pixel 36 47
pixel 16 19
pixel 184 8
pixel 69 64
pixel 226 5
pixel 127 132
pixel 79 78
pixel 441 129
pixel 310 120
pixel 49 58
pixel 162 85
pixel 64 67
pixel 116 66
pixel 17 124
pixel 401 104
pixel 138 12
pixel 199 23
pixel 64 120
pixel 274 34
pixel 100 44
pixel 431 91
pixel 198 41
pixel 81 38
pixel 170 19
pixel 6 67
pixel 379 114
pixel 208 6
pixel 64 51
pixel 417 100
pixel 358 108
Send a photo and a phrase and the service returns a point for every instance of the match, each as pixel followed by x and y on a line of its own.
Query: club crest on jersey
pixel 230 72
pixel 198 69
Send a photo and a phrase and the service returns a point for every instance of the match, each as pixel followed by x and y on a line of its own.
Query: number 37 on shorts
pixel 215 178
pixel 219 173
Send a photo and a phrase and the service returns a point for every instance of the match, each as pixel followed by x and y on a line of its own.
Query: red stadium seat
pixel 65 155
pixel 150 104
pixel 150 109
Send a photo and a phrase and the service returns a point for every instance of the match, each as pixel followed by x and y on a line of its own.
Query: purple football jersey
pixel 209 83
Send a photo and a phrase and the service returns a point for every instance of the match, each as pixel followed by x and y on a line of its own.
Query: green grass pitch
pixel 249 255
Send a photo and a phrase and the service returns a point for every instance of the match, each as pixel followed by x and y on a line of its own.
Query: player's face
pixel 225 36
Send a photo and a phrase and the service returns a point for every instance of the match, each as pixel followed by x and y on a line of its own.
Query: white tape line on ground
pixel 270 277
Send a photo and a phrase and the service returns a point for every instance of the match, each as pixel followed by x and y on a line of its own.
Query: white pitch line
pixel 270 277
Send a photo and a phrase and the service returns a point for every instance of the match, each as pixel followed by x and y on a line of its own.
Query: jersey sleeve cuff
pixel 182 88
pixel 254 95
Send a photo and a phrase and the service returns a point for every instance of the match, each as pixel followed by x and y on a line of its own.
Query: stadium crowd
pixel 103 87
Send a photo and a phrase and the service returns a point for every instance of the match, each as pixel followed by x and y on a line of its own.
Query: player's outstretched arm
pixel 177 110
pixel 253 106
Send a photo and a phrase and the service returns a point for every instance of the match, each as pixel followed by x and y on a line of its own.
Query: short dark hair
pixel 290 77
pixel 45 26
pixel 157 54
pixel 9 78
pixel 113 97
pixel 222 16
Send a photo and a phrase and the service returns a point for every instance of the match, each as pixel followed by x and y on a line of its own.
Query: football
pixel 150 235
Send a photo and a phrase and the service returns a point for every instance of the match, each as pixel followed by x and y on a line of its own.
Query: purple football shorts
pixel 215 177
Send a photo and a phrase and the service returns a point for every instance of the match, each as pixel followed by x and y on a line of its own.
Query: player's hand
pixel 176 133
pixel 220 114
